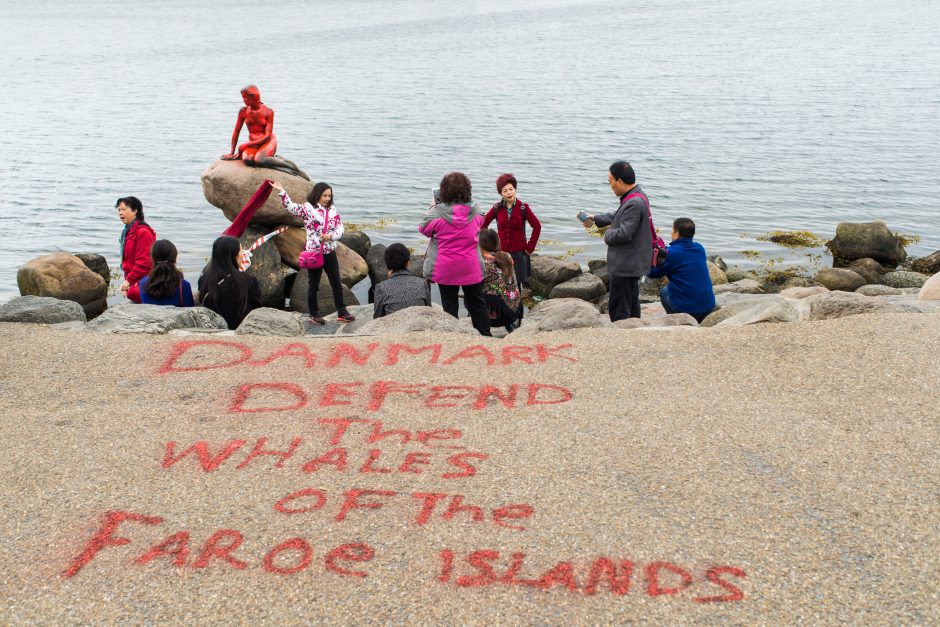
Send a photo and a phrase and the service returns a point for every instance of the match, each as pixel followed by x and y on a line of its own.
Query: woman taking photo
pixel 511 215
pixel 499 283
pixel 165 284
pixel 136 240
pixel 453 259
pixel 324 228
pixel 224 288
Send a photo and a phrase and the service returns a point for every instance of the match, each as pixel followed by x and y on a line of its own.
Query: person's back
pixel 224 288
pixel 165 284
pixel 401 289
pixel 690 285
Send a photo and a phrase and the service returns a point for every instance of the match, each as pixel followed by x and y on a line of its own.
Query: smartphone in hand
pixel 436 194
pixel 583 216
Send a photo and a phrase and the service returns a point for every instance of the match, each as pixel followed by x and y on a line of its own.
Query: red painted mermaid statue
pixel 261 148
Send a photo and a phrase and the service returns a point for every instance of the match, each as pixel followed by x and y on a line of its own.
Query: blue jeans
pixel 670 309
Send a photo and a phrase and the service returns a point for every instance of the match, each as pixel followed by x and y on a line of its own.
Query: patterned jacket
pixel 313 218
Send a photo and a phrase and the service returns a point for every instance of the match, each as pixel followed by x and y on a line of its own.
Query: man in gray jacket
pixel 629 242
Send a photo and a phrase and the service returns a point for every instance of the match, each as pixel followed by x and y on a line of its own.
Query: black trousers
pixel 624 298
pixel 331 265
pixel 473 300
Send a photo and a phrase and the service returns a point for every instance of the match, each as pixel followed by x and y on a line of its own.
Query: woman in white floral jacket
pixel 317 211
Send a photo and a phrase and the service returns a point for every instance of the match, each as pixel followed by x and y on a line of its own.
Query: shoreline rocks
pixel 66 277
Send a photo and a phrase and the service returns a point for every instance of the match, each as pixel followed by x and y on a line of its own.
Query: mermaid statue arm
pixel 238 129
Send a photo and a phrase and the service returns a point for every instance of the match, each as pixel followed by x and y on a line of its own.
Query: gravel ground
pixel 800 457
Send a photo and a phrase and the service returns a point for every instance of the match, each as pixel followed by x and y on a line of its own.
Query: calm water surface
pixel 745 115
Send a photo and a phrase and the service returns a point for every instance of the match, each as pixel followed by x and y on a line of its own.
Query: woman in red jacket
pixel 511 215
pixel 136 240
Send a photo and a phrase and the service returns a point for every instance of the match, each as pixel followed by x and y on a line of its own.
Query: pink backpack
pixel 659 246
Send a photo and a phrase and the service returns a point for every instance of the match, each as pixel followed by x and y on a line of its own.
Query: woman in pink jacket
pixel 454 261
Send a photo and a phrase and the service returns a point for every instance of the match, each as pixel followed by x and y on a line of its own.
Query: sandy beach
pixel 766 474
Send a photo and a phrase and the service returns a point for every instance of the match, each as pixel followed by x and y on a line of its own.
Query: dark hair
pixel 223 268
pixel 397 257
pixel 134 204
pixel 455 189
pixel 165 278
pixel 314 196
pixel 505 179
pixel 623 171
pixel 684 227
pixel 489 241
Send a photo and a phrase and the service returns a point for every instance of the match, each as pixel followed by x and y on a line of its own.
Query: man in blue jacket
pixel 690 285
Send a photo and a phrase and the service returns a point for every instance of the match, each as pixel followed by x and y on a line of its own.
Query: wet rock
pixel 415 319
pixel 267 321
pixel 598 268
pixel 650 289
pixel 547 272
pixel 64 276
pixel 416 265
pixel 870 269
pixel 266 267
pixel 584 286
pixel 858 240
pixel 903 278
pixel 718 261
pixel 841 304
pixel 927 265
pixel 154 319
pixel 879 290
pixel 375 260
pixel 841 279
pixel 356 241
pixel 298 295
pixel 737 273
pixel 41 310
pixel 229 185
pixel 97 264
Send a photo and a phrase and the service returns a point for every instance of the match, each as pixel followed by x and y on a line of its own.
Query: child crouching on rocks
pixel 324 228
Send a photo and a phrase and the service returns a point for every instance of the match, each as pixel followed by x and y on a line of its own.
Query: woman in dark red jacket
pixel 511 214
pixel 136 240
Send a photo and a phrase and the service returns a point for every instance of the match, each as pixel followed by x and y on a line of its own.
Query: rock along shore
pixel 623 478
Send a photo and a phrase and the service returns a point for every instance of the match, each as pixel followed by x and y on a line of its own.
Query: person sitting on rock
pixel 224 287
pixel 165 284
pixel 401 289
pixel 500 288
pixel 690 285
pixel 324 229
pixel 136 240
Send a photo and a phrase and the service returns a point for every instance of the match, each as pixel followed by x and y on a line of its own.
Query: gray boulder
pixel 598 268
pixel 415 319
pixel 743 286
pixel 903 278
pixel 927 265
pixel 416 265
pixel 298 295
pixel 672 320
pixel 798 293
pixel 767 311
pixel 154 319
pixel 229 185
pixel 64 276
pixel 841 279
pixel 737 273
pixel 97 264
pixel 41 310
pixel 583 286
pixel 870 269
pixel 358 241
pixel 731 304
pixel 375 259
pixel 879 290
pixel 841 304
pixel 717 275
pixel 650 289
pixel 931 289
pixel 547 272
pixel 858 240
pixel 266 267
pixel 561 313
pixel 267 321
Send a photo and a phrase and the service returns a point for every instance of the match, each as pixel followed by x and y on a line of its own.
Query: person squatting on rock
pixel 401 289
pixel 690 285
pixel 224 288
pixel 511 215
pixel 500 288
pixel 453 259
pixel 136 240
pixel 324 228
pixel 629 241
pixel 165 284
